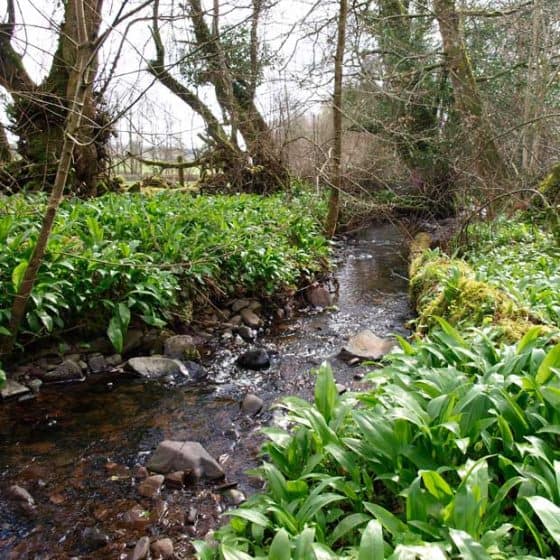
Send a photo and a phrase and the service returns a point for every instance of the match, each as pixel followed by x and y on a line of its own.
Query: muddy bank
pixel 78 449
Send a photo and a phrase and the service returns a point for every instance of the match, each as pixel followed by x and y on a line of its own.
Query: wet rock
pixel 318 296
pixel 246 333
pixel 140 472
pixel 35 385
pixel 13 389
pixel 255 306
pixel 97 363
pixel 255 359
pixel 141 550
pixel 154 367
pixel 19 494
pixel 114 360
pixel 175 479
pixel 195 371
pixel 341 388
pixel 163 548
pixel 94 538
pixel 191 516
pixel 151 486
pixel 136 517
pixel 240 304
pixel 367 346
pixel 234 496
pixel 133 340
pixel 252 404
pixel 250 318
pixel 68 370
pixel 236 320
pixel 188 456
pixel 180 347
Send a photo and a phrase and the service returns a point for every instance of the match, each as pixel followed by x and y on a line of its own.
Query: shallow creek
pixel 75 448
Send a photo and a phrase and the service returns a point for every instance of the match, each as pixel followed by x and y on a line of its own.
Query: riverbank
pixel 125 262
pixel 452 448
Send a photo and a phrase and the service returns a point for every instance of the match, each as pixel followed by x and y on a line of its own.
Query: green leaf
pixel 280 546
pixel 18 273
pixel 468 547
pixel 326 394
pixel 46 319
pixel 233 554
pixel 4 331
pixel 548 513
pixel 371 545
pixel 551 360
pixel 436 484
pixel 350 522
pixel 250 515
pixel 392 523
pixel 114 332
pixel 530 336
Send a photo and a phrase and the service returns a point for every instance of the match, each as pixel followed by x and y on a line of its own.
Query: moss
pixel 550 186
pixel 444 287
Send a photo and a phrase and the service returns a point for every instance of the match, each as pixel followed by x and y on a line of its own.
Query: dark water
pixel 76 448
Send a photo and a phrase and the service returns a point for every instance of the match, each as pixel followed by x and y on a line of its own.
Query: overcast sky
pixel 160 113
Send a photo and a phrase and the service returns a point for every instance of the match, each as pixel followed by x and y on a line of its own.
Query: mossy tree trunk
pixel 487 158
pixel 39 110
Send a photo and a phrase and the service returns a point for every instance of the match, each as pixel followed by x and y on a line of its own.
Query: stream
pixel 76 448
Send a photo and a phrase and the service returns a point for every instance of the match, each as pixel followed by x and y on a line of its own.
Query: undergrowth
pixel 123 256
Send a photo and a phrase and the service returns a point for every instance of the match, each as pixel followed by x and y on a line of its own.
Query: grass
pixel 453 449
pixel 126 257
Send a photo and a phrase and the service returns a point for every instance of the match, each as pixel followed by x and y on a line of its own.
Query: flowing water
pixel 75 448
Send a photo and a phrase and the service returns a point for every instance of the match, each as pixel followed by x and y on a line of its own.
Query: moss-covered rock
pixel 550 186
pixel 444 287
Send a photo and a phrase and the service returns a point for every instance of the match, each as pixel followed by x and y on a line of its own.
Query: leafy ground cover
pixel 123 256
pixel 451 452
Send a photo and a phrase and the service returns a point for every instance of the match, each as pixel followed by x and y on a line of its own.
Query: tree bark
pixel 5 151
pixel 39 111
pixel 337 176
pixel 79 79
pixel 468 102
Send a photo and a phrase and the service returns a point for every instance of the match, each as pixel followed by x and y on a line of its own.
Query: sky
pixel 160 115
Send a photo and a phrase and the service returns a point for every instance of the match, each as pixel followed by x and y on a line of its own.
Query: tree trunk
pixel 5 152
pixel 468 102
pixel 79 80
pixel 39 111
pixel 337 179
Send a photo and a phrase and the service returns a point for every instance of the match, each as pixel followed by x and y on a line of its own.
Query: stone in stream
pixel 154 367
pixel 196 371
pixel 250 318
pixel 240 304
pixel 255 359
pixel 251 404
pixel 318 296
pixel 151 486
pixel 68 370
pixel 180 347
pixel 141 550
pixel 246 333
pixel 94 538
pixel 13 389
pixel 188 456
pixel 367 346
pixel 163 548
pixel 97 363
pixel 22 499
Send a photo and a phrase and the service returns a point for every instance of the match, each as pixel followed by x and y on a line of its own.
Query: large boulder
pixel 154 367
pixel 188 456
pixel 367 346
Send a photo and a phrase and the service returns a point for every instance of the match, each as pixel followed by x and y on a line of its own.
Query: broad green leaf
pixel 46 319
pixel 326 394
pixel 392 523
pixel 18 273
pixel 303 545
pixel 551 360
pixel 250 515
pixel 407 348
pixel 436 484
pixel 468 547
pixel 114 332
pixel 530 336
pixel 350 522
pixel 233 554
pixel 4 331
pixel 371 545
pixel 450 331
pixel 280 546
pixel 548 513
